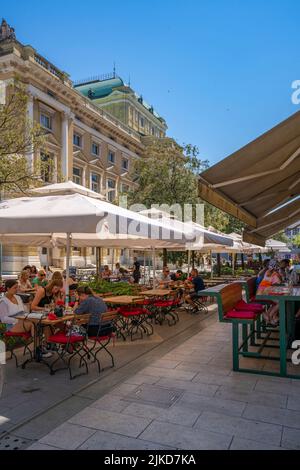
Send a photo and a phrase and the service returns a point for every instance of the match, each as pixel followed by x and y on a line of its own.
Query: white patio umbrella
pixel 67 187
pixel 80 214
pixel 275 245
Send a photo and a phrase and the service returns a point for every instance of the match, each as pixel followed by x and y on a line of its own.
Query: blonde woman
pixel 24 283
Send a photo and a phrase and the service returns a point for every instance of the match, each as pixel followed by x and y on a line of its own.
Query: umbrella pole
pixel 211 265
pixel 68 267
pixel 189 261
pixel 47 263
pixel 144 267
pixel 233 263
pixel 112 259
pixel 149 267
pixel 153 266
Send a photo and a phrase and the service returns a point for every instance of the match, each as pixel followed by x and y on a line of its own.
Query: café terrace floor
pixel 174 390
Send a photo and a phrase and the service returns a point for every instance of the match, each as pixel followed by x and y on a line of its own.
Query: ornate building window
pixel 111 157
pixel 77 175
pixel 95 149
pixel 77 140
pixel 95 182
pixel 46 121
pixel 125 164
pixel 111 190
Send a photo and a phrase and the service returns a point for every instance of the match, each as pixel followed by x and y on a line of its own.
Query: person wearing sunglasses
pixel 40 280
pixel 165 278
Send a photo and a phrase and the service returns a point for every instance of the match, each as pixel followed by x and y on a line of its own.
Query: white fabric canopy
pixel 276 245
pixel 76 213
pixel 68 187
pixel 205 236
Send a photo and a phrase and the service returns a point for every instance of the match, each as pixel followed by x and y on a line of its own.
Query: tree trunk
pixel 218 264
pixel 243 261
pixel 165 257
pixel 193 259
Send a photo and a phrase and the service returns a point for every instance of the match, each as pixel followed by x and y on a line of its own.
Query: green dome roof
pixel 99 89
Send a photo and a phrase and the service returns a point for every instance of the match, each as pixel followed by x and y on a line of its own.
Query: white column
pixel 84 176
pixel 65 146
pixel 30 154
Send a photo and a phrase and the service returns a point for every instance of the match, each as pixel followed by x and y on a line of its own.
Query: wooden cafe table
pixel 157 292
pixel 124 299
pixel 39 323
pixel 286 298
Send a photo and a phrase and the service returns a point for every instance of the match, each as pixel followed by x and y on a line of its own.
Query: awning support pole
pixel 68 257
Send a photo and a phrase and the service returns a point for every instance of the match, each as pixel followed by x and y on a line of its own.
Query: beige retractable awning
pixel 260 183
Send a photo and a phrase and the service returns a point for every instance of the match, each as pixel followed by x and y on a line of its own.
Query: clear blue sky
pixel 219 71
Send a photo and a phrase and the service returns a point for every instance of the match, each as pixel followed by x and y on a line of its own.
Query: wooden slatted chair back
pixel 229 296
pixel 251 287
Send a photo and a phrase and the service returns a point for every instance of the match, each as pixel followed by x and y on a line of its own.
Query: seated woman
pixel 106 273
pixel 46 295
pixel 10 305
pixel 90 304
pixel 116 271
pixel 271 278
pixel 40 280
pixel 24 284
pixel 262 272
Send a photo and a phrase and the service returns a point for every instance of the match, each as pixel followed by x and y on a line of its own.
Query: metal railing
pixel 96 78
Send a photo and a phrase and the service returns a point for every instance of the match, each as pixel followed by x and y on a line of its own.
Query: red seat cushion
pixel 252 307
pixel 163 303
pixel 62 338
pixel 147 302
pixel 246 315
pixel 135 311
pixel 23 334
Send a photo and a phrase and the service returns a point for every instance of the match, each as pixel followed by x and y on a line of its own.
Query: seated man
pixel 176 276
pixel 165 277
pixel 197 285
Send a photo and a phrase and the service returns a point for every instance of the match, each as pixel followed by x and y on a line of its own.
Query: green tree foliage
pixel 18 137
pixel 281 237
pixel 167 174
pixel 296 241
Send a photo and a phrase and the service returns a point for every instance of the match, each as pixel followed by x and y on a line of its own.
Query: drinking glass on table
pixel 47 308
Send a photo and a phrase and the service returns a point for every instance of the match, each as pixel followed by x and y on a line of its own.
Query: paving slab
pixel 237 426
pixel 258 398
pixel 247 444
pixel 200 403
pixel 183 437
pixel 290 439
pixel 67 436
pixel 273 415
pixel 110 421
pixel 109 441
pixel 208 390
pixel 40 446
pixel 176 414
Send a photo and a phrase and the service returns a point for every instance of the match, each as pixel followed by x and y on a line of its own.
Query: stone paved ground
pixel 188 398
pixel 32 391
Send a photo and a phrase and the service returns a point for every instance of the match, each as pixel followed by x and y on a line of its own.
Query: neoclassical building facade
pixel 84 142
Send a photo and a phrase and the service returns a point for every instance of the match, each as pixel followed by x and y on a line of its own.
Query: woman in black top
pixel 46 295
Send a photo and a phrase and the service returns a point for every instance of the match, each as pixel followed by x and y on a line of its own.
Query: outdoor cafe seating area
pixel 145 306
